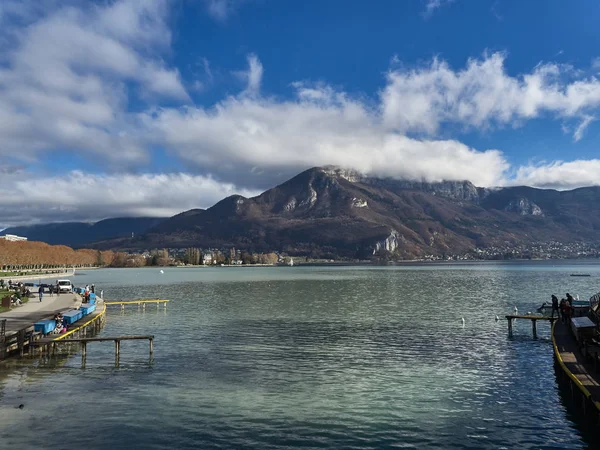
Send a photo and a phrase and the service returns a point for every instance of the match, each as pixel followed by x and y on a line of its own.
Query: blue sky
pixel 152 107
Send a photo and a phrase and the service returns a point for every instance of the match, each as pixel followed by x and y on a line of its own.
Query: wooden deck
pixel 572 361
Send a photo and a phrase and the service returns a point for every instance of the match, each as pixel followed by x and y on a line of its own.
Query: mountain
pixel 78 234
pixel 331 212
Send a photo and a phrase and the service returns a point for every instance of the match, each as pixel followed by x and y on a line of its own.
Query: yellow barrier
pixel 573 378
pixel 135 302
pixel 92 320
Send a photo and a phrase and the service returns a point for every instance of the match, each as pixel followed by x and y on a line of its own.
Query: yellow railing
pixel 135 302
pixel 89 322
pixel 572 377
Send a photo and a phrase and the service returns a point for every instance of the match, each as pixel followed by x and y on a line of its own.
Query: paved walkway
pixel 39 276
pixel 33 311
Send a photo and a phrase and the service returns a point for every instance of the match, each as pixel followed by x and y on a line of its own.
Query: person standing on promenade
pixel 50 289
pixel 57 288
pixel 41 292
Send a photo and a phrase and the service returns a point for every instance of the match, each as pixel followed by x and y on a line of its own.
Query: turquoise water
pixel 307 357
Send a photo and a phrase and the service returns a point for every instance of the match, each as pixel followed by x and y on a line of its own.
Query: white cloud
pixel 484 95
pixel 65 81
pixel 433 5
pixel 255 73
pixel 79 196
pixel 220 10
pixel 320 126
pixel 560 174
pixel 578 134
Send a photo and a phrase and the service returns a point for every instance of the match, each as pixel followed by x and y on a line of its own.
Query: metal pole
pixel 151 346
pixel 534 327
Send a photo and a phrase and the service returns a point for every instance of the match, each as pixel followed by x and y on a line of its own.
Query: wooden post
pixel 117 347
pixel 534 328
pixel 510 333
pixel 151 346
pixel 83 352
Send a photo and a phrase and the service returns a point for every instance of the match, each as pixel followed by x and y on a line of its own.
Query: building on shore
pixel 13 237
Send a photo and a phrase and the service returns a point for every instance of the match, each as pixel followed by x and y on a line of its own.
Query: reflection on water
pixel 308 357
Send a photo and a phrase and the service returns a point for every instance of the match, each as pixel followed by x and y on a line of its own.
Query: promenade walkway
pixel 35 277
pixel 33 311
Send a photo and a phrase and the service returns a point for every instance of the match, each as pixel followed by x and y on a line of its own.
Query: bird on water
pixel 516 310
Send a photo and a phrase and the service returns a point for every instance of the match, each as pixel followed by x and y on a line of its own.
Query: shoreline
pixel 42 276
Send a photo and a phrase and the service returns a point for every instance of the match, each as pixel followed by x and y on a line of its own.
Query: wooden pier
pixel 533 319
pixel 117 340
pixel 577 370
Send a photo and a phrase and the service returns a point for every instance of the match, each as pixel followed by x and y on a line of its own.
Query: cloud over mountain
pixel 97 82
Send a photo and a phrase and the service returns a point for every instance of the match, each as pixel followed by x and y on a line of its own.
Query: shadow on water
pixel 586 427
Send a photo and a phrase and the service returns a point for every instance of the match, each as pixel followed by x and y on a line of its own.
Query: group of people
pixel 564 309
pixel 87 291
pixel 60 325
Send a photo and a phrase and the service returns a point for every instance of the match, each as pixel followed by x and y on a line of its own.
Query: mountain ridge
pixel 328 211
pixel 334 212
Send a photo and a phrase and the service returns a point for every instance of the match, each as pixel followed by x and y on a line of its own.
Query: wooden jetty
pixel 578 369
pixel 117 340
pixel 534 319
pixel 139 302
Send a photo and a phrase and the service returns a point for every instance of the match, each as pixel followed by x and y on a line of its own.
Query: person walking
pixel 50 290
pixel 41 292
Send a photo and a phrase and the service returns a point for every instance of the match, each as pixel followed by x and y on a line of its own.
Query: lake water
pixel 307 357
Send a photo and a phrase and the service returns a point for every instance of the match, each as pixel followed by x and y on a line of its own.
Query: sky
pixel 153 107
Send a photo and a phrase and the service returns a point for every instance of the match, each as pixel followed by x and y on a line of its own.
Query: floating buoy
pixel 463 321
pixel 516 310
pixel 162 271
pixel 497 318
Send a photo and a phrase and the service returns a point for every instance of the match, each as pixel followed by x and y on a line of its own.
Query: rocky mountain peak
pixel 524 207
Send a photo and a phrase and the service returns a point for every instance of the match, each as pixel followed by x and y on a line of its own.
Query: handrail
pixel 132 302
pixel 117 338
pixel 92 320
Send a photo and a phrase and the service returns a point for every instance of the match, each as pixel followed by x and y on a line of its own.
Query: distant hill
pixel 79 234
pixel 334 212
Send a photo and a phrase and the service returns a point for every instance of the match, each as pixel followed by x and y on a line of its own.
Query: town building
pixel 13 237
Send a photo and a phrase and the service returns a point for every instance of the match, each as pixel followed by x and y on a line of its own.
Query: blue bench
pixel 45 326
pixel 70 317
pixel 86 308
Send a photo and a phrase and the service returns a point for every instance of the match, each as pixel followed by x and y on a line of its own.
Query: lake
pixel 307 357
